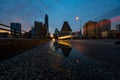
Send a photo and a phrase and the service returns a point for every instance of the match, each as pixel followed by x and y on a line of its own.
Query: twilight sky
pixel 28 11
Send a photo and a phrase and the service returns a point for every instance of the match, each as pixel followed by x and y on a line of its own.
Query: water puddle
pixel 70 56
pixel 76 62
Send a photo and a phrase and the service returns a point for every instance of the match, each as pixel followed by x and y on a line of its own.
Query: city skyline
pixel 26 12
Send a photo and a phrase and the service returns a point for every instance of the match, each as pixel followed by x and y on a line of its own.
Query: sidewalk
pixel 38 63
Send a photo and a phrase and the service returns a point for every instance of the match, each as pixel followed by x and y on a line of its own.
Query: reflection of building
pixel 66 51
pixel 15 29
pixel 95 30
pixel 64 46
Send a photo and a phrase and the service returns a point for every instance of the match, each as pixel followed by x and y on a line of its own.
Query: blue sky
pixel 28 11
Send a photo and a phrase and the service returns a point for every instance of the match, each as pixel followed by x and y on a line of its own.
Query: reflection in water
pixel 70 57
pixel 64 46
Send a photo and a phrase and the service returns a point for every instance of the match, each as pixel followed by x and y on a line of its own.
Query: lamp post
pixel 77 18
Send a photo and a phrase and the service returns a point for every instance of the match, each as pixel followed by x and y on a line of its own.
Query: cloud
pixel 115 19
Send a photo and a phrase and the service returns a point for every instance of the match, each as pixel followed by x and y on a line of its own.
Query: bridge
pixel 4 29
pixel 7 26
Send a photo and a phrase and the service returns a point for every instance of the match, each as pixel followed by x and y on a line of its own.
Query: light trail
pixel 65 37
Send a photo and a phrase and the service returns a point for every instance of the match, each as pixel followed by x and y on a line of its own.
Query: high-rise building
pixel 38 29
pixel 44 31
pixel 47 24
pixel 118 27
pixel 66 29
pixel 89 29
pixel 15 29
pixel 97 29
pixel 105 25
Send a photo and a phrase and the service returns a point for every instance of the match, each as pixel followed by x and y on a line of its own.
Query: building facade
pixel 89 29
pixel 38 29
pixel 66 32
pixel 118 27
pixel 115 34
pixel 15 29
pixel 44 31
pixel 56 34
pixel 93 29
pixel 66 29
pixel 47 24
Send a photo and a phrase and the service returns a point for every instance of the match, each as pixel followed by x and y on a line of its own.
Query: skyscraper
pixel 46 23
pixel 38 29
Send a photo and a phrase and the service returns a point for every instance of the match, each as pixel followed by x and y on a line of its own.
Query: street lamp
pixel 77 18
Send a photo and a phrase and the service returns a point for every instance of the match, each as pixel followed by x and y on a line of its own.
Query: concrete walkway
pixel 38 63
pixel 42 63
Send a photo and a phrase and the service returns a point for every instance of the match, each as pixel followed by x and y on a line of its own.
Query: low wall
pixel 12 47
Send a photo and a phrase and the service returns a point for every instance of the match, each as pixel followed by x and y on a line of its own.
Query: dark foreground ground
pixel 38 63
pixel 87 61
pixel 11 47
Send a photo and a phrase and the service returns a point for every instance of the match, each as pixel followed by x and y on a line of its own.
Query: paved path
pixel 42 63
pixel 38 63
pixel 101 50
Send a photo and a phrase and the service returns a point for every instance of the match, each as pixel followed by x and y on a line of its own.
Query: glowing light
pixel 77 61
pixel 3 31
pixel 64 37
pixel 64 43
pixel 77 18
pixel 53 39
